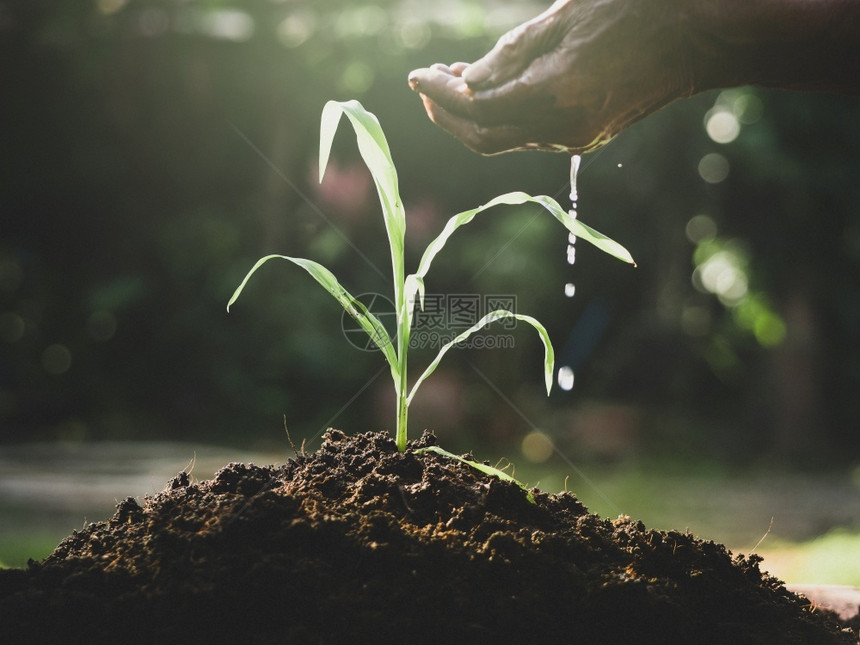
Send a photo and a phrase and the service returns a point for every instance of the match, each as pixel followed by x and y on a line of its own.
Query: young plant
pixel 374 150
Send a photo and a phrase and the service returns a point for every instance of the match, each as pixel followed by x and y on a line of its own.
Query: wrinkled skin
pixel 569 80
pixel 575 76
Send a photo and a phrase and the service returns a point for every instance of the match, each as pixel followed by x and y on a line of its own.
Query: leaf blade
pixel 498 314
pixel 357 311
pixel 576 227
pixel 374 150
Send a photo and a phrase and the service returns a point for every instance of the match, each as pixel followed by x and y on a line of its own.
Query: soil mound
pixel 359 543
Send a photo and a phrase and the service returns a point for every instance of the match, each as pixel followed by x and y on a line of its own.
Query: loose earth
pixel 358 543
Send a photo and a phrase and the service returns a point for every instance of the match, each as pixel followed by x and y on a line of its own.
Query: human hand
pixel 569 80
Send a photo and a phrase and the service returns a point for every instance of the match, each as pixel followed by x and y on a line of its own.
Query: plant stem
pixel 401 384
pixel 402 402
pixel 396 234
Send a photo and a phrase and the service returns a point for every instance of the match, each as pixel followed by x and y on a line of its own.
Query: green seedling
pixel 409 289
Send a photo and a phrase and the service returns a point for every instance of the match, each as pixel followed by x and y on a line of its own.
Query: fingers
pixel 444 88
pixel 512 103
pixel 456 69
pixel 479 139
pixel 485 140
pixel 498 120
pixel 509 56
pixel 516 50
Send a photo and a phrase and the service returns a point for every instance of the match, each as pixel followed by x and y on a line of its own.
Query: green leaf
pixel 598 239
pixel 414 286
pixel 374 149
pixel 571 223
pixel 584 231
pixel 499 314
pixel 484 468
pixel 365 319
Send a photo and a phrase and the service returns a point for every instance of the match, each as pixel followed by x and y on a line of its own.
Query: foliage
pixel 376 154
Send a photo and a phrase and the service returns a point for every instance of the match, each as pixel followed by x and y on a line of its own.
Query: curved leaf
pixel 414 286
pixel 584 231
pixel 498 314
pixel 365 319
pixel 571 223
pixel 376 154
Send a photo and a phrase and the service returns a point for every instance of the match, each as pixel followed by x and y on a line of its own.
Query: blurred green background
pixel 153 150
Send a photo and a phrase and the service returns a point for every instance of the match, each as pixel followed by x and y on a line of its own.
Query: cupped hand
pixel 568 80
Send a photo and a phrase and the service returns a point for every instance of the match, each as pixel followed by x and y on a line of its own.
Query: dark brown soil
pixel 361 544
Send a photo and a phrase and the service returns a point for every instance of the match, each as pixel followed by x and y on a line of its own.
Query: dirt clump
pixel 361 543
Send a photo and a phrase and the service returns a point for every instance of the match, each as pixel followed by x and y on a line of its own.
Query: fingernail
pixel 413 81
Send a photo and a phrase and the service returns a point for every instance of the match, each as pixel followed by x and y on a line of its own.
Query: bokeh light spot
pixel 414 34
pixel 361 21
pixel 769 330
pixel 701 228
pixel 714 168
pixel 101 325
pixel 357 77
pixel 537 447
pixel 297 28
pixel 56 359
pixel 722 126
pixel 12 327
pixel 153 21
pixel 748 108
pixel 108 7
pixel 227 24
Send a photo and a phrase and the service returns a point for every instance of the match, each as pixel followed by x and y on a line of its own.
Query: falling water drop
pixel 571 238
pixel 565 378
pixel 574 170
pixel 565 373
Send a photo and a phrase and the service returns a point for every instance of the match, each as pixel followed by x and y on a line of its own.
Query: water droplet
pixel 574 170
pixel 620 165
pixel 565 378
pixel 569 288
